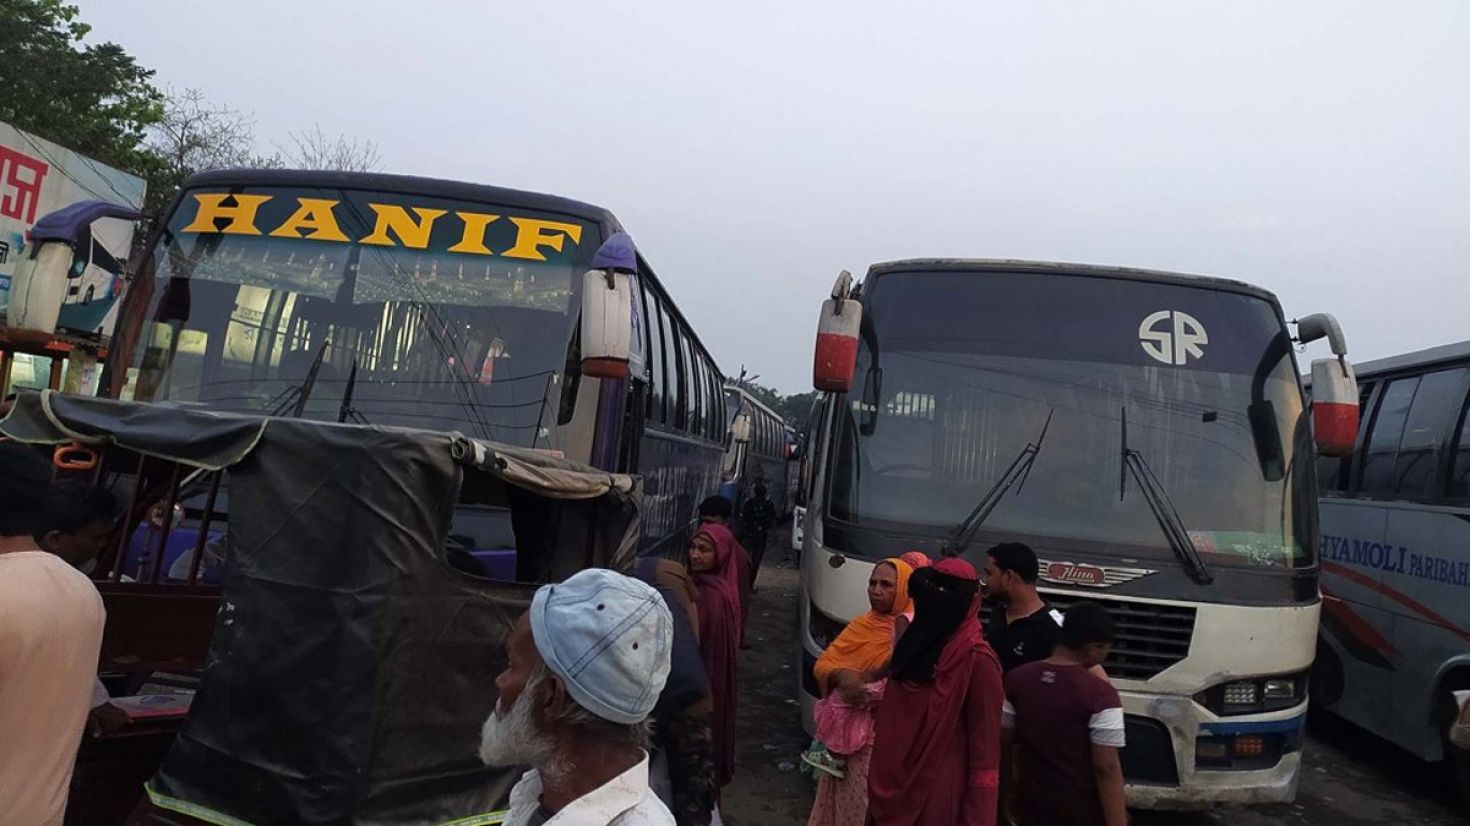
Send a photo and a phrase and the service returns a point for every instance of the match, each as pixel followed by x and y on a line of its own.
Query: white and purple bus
pixel 1145 432
pixel 408 302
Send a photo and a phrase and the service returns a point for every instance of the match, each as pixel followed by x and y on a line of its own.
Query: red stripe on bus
pixel 1401 598
pixel 1362 630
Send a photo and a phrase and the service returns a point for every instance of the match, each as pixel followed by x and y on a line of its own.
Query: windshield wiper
pixel 1016 474
pixel 300 393
pixel 1162 507
pixel 347 411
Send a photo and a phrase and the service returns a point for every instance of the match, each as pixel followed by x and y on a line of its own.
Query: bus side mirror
pixel 1334 406
pixel 607 309
pixel 1267 438
pixel 38 287
pixel 837 339
pixel 740 430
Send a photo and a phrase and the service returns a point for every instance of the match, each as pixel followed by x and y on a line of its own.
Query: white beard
pixel 512 739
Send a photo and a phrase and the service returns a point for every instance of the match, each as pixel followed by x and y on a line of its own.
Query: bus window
pixel 696 415
pixel 1460 469
pixel 711 401
pixel 672 389
pixel 717 408
pixel 654 351
pixel 1379 454
pixel 656 356
pixel 1436 405
pixel 690 403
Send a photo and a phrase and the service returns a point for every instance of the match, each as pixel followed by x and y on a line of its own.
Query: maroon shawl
pixel 936 754
pixel 719 641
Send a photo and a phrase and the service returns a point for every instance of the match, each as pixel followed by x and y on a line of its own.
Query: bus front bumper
pixel 1207 790
pixel 1180 756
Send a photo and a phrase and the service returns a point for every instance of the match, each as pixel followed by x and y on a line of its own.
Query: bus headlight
pixel 1280 689
pixel 1254 695
pixel 1242 693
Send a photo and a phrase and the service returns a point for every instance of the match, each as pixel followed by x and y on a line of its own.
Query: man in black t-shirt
pixel 1023 628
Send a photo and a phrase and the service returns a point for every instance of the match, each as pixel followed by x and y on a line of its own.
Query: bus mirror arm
pixel 1310 328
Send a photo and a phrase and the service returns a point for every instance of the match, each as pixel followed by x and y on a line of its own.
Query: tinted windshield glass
pixel 454 315
pixel 957 372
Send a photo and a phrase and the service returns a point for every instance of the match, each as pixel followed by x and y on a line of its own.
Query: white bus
pixel 1395 552
pixel 758 449
pixel 1141 431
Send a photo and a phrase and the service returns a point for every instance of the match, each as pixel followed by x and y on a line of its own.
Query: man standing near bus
pixel 1067 725
pixel 756 518
pixel 51 619
pixel 1027 628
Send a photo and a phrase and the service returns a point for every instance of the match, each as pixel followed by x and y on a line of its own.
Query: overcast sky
pixel 1318 149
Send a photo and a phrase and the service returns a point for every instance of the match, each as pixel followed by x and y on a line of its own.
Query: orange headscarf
pixel 867 642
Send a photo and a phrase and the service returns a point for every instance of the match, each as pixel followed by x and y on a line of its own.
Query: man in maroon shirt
pixel 1068 723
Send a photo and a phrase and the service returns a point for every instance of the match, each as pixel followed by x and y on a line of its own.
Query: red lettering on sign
pixel 20 185
pixel 1072 573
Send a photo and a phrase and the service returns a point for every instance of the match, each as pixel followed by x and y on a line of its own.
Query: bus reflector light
pixel 1248 745
pixel 1211 749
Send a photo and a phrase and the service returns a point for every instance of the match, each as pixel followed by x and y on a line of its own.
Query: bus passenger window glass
pixel 672 390
pixel 1460 469
pixel 696 413
pixel 713 401
pixel 655 353
pixel 717 416
pixel 1379 455
pixel 691 404
pixel 1428 427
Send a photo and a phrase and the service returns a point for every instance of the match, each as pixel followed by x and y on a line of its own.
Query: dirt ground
pixel 1349 778
pixel 767 788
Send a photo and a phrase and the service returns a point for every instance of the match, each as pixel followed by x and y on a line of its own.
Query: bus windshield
pixel 349 305
pixel 958 372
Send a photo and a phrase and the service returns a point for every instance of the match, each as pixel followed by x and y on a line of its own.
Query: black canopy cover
pixel 351 668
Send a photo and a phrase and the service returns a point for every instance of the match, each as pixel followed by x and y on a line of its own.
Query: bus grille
pixel 1150 637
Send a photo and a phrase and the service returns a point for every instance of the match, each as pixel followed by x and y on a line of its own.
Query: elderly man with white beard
pixel 586 665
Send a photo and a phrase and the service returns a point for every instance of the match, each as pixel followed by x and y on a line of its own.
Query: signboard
pixel 38 177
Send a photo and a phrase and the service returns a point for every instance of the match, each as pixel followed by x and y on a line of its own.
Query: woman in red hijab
pixel 936 750
pixel 713 561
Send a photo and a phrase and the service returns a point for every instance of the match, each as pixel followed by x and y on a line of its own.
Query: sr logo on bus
pixel 1172 337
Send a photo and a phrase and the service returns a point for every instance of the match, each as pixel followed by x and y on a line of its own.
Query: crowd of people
pixel 627 714
pixel 928 719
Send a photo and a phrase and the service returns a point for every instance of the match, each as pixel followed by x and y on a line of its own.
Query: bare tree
pixel 196 136
pixel 314 150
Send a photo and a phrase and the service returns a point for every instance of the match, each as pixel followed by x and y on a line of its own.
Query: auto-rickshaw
pixel 337 668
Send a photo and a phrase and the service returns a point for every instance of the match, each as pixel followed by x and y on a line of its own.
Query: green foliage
pixel 93 98
pixel 794 408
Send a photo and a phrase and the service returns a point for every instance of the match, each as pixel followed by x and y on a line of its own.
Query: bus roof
pixel 406 184
pixel 757 402
pixel 982 265
pixel 1458 351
